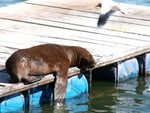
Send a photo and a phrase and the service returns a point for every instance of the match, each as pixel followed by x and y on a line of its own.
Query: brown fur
pixel 26 65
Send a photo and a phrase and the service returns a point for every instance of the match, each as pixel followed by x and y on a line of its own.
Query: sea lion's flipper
pixel 31 79
pixel 60 87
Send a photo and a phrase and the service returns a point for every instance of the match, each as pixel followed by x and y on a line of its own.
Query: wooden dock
pixel 37 22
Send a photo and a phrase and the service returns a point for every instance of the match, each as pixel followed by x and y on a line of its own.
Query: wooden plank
pixel 62 29
pixel 8 88
pixel 53 15
pixel 82 40
pixel 132 29
pixel 4 85
pixel 84 4
pixel 93 36
pixel 123 34
pixel 133 10
pixel 16 88
pixel 76 40
pixel 104 51
pixel 139 12
pixel 91 24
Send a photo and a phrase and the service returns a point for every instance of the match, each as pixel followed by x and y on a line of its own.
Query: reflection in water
pixel 101 97
pixel 129 96
pixel 133 96
pixel 77 104
pixel 141 85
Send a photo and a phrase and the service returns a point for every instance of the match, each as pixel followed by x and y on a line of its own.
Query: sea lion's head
pixel 85 59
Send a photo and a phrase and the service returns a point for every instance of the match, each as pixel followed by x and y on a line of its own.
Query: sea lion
pixel 26 65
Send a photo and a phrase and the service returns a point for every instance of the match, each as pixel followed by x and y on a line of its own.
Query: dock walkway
pixel 37 22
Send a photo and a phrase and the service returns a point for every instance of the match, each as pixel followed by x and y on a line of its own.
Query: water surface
pixel 131 96
pixel 9 2
pixel 137 2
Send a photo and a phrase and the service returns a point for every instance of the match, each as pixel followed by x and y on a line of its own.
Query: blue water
pixel 137 2
pixel 9 2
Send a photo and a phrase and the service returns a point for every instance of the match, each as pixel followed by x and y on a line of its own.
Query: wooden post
pixel 142 64
pixel 90 80
pixel 51 87
pixel 26 95
pixel 88 75
pixel 1 99
pixel 115 69
pixel 116 73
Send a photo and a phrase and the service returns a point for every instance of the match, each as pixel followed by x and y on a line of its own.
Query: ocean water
pixel 9 2
pixel 137 2
pixel 131 96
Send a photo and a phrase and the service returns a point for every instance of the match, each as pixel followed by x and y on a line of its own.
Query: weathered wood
pixel 16 88
pixel 37 22
pixel 5 84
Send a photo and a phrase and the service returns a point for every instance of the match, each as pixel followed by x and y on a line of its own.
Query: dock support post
pixel 90 80
pixel 142 64
pixel 116 73
pixel 88 75
pixel 1 100
pixel 26 95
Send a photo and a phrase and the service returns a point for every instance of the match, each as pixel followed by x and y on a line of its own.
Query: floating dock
pixel 37 22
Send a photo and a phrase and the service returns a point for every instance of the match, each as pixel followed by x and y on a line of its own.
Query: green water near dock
pixel 131 96
pixel 128 97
